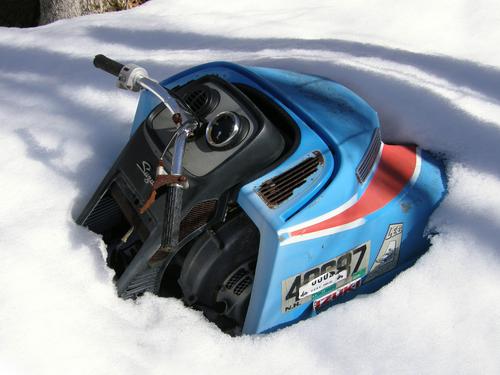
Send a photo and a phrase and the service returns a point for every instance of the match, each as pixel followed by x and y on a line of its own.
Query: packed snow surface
pixel 430 69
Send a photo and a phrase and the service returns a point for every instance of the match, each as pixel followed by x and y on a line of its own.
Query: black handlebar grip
pixel 172 218
pixel 108 65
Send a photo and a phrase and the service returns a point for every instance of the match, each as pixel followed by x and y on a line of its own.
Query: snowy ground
pixel 431 71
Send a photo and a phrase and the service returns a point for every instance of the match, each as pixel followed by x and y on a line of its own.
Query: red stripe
pixel 395 169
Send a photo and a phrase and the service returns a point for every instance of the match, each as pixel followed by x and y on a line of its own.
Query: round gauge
pixel 223 130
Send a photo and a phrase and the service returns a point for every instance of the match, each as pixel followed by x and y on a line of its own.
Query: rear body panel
pixel 389 209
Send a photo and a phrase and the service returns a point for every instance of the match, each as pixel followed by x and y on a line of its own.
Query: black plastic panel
pixel 214 176
pixel 201 159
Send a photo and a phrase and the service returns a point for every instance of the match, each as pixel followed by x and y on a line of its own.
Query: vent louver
pixel 240 281
pixel 202 100
pixel 366 164
pixel 197 217
pixel 235 278
pixel 242 285
pixel 278 189
pixel 105 213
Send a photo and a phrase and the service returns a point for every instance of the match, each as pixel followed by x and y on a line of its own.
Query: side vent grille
pixel 278 189
pixel 202 100
pixel 240 282
pixel 242 285
pixel 197 217
pixel 105 213
pixel 366 164
pixel 236 277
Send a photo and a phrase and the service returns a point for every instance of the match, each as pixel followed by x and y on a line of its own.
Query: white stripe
pixel 418 167
pixel 375 164
pixel 321 218
pixel 324 232
pixel 340 209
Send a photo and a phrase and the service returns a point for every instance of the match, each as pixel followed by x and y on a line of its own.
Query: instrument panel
pixel 227 127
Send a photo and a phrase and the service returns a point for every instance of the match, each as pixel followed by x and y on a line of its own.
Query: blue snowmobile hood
pixel 354 209
pixel 340 117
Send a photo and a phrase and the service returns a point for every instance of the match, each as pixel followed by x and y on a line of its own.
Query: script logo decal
pixel 145 169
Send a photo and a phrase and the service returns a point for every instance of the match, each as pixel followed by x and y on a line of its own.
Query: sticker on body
pixel 334 294
pixel 388 256
pixel 324 278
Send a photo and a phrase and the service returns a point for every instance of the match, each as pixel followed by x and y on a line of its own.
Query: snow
pixel 430 69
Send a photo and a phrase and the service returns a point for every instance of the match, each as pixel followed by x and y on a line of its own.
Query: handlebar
pixel 171 219
pixel 134 78
pixel 108 65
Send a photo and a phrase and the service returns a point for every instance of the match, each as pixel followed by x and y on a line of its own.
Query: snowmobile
pixel 259 196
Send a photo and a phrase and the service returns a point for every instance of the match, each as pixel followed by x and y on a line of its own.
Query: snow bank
pixel 432 72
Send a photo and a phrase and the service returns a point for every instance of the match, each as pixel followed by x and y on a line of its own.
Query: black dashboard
pixel 229 122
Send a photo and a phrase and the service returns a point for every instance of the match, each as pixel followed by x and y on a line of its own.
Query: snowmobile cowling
pixel 279 198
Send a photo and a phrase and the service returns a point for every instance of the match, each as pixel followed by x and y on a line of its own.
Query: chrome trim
pixel 236 129
pixel 129 77
pixel 161 93
pixel 133 77
pixel 181 137
pixel 179 146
